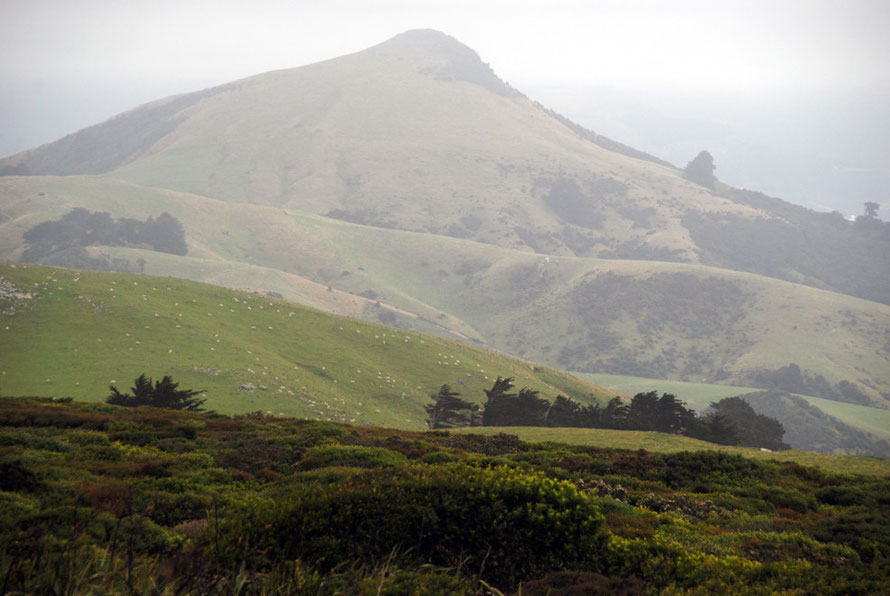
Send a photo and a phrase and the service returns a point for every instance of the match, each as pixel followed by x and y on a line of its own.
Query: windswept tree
pixel 529 409
pixel 448 410
pixel 615 414
pixel 566 412
pixel 160 394
pixel 701 170
pixel 498 402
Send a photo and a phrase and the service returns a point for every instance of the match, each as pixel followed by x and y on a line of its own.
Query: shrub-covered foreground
pixel 96 498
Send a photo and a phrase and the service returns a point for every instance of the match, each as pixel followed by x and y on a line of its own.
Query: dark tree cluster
pixel 792 379
pixel 81 227
pixel 731 421
pixel 752 429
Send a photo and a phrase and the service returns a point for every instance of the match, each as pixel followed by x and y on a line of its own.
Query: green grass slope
pixel 72 333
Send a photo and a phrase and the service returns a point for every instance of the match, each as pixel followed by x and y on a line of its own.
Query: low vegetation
pixel 102 499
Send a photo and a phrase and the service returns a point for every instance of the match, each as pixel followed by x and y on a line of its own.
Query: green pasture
pixel 78 332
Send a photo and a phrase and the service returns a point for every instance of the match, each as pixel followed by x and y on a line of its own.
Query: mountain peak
pixel 449 59
pixel 426 42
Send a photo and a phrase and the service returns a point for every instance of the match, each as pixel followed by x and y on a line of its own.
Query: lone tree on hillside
pixel 161 394
pixel 448 410
pixel 701 170
pixel 871 209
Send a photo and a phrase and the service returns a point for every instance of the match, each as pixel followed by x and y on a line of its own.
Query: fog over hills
pixel 826 151
pixel 411 178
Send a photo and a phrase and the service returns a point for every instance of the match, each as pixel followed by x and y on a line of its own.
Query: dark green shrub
pixel 139 438
pixel 170 509
pixel 502 523
pixel 581 583
pixel 15 476
pixel 867 532
pixel 14 505
pixel 327 475
pixel 687 469
pixel 251 453
pixel 97 452
pixel 426 579
pixel 32 440
pixel 499 444
pixel 311 433
pixel 354 456
pixel 845 496
pixel 780 498
pixel 86 437
pixel 439 457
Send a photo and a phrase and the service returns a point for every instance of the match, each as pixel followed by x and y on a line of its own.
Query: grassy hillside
pixel 72 333
pixel 666 320
pixel 418 134
pixel 646 318
pixel 105 499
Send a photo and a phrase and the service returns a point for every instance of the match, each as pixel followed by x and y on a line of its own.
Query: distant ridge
pixel 88 151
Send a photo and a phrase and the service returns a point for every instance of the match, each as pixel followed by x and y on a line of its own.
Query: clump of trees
pixel 792 379
pixel 752 429
pixel 81 227
pixel 730 422
pixel 160 394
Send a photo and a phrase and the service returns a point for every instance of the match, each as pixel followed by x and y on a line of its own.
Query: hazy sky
pixel 66 64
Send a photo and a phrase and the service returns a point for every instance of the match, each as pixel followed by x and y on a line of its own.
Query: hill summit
pixel 458 61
